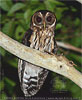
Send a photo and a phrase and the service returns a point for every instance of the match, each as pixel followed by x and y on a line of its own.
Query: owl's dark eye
pixel 49 18
pixel 38 19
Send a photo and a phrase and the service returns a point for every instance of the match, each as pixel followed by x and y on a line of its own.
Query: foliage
pixel 15 20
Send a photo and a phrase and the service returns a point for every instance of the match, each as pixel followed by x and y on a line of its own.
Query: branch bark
pixel 68 46
pixel 80 1
pixel 58 64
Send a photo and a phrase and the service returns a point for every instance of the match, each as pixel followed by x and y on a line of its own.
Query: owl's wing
pixel 55 47
pixel 26 42
pixel 26 37
pixel 31 77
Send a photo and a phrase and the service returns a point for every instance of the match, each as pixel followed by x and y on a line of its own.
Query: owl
pixel 40 36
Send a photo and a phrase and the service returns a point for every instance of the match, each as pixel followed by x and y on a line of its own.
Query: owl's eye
pixel 49 18
pixel 38 19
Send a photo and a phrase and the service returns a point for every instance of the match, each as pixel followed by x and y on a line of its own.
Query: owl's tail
pixel 32 85
pixel 31 77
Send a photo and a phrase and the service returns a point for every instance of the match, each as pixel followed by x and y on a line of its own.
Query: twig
pixel 58 64
pixel 68 37
pixel 68 46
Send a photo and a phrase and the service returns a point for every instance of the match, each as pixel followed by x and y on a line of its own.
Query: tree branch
pixel 58 64
pixel 80 1
pixel 68 46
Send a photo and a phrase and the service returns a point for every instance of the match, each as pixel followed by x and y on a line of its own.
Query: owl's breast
pixel 43 41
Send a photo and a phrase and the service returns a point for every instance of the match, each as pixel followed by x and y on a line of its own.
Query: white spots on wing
pixel 19 68
pixel 25 85
pixel 34 80
pixel 32 85
pixel 19 65
pixel 32 92
pixel 32 70
pixel 25 80
pixel 26 92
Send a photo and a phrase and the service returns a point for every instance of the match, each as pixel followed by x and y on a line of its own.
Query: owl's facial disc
pixel 43 20
pixel 38 20
pixel 50 20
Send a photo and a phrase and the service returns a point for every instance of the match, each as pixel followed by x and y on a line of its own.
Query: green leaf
pixel 3 96
pixel 9 85
pixel 59 11
pixel 76 41
pixel 77 21
pixel 59 84
pixel 16 7
pixel 75 90
pixel 14 97
pixel 13 62
pixel 55 2
pixel 5 4
pixel 1 85
pixel 48 5
pixel 73 9
pixel 2 51
pixel 23 24
pixel 19 33
pixel 27 15
pixel 0 17
pixel 34 2
pixel 9 82
pixel 58 26
pixel 19 15
pixel 8 28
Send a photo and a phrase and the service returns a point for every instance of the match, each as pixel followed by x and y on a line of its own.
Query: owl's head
pixel 43 19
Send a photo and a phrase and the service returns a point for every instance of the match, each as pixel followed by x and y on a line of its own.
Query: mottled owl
pixel 39 36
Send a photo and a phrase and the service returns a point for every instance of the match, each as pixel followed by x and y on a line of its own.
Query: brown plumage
pixel 40 36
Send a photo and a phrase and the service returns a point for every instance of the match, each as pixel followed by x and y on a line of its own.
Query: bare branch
pixel 68 46
pixel 58 64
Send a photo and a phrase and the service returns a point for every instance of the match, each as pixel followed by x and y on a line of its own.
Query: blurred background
pixel 15 18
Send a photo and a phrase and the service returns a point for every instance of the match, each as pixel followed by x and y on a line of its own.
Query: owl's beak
pixel 44 25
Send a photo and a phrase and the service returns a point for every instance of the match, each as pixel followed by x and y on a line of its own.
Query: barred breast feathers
pixel 43 40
